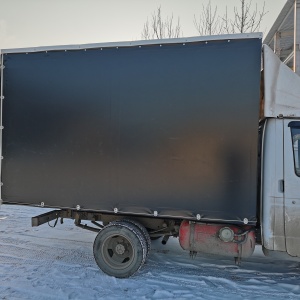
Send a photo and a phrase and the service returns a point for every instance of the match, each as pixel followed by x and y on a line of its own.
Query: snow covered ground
pixel 58 263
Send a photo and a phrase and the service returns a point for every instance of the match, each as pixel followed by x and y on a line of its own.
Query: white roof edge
pixel 137 43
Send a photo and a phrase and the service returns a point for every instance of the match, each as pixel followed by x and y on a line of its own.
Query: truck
pixel 196 138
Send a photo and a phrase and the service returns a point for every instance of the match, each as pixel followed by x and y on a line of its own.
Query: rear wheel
pixel 143 231
pixel 120 249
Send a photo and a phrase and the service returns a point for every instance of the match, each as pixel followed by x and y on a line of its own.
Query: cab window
pixel 295 130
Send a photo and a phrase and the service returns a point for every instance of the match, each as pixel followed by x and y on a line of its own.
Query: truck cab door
pixel 292 186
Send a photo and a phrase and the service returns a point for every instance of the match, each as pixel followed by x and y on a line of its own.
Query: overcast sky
pixel 26 23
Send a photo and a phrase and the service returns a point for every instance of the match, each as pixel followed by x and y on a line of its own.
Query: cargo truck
pixel 196 138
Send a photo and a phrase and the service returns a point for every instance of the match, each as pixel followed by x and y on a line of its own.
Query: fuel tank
pixel 220 239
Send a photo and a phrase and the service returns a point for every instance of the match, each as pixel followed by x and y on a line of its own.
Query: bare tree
pixel 208 22
pixel 245 19
pixel 226 23
pixel 159 28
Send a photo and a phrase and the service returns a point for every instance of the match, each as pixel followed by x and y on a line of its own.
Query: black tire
pixel 120 249
pixel 143 231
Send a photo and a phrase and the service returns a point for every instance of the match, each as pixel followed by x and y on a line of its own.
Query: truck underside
pixel 127 234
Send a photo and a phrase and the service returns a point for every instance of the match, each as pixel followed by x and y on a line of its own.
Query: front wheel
pixel 120 249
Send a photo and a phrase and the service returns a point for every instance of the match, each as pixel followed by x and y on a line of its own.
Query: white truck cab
pixel 280 165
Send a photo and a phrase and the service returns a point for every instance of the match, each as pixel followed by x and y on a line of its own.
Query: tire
pixel 120 249
pixel 143 231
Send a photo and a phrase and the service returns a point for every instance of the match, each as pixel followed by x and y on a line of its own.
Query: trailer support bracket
pixel 47 217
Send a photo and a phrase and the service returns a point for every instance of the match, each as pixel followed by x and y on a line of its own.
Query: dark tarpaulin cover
pixel 171 129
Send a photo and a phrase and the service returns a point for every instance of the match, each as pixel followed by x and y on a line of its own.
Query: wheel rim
pixel 117 252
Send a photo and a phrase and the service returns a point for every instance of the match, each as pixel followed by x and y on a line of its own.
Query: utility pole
pixel 297 37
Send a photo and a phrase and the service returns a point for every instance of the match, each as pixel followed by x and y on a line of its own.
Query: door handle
pixel 281 186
